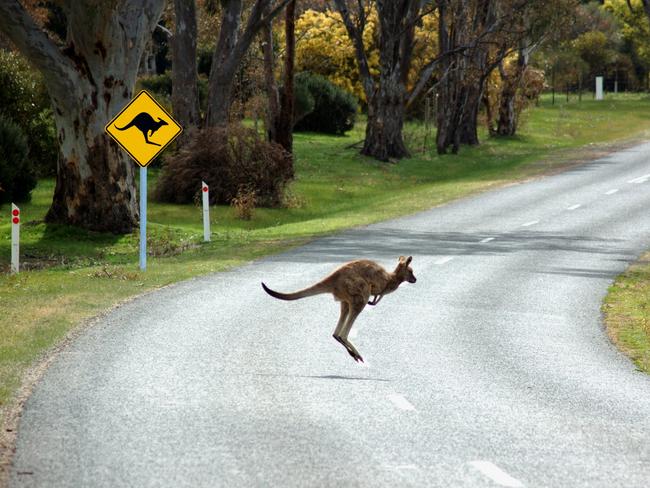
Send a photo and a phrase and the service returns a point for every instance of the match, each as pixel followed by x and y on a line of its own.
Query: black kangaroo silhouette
pixel 145 124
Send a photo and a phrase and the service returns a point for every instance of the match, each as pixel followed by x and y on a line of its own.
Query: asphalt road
pixel 492 370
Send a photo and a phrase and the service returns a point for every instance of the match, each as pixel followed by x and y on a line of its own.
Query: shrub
pixel 244 203
pixel 23 97
pixel 334 109
pixel 17 177
pixel 227 159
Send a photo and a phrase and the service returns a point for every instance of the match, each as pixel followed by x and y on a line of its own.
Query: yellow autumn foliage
pixel 324 47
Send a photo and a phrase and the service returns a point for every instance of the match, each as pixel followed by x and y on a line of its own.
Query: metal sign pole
pixel 206 211
pixel 15 238
pixel 143 218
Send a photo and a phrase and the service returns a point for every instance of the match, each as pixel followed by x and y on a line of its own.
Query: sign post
pixel 205 190
pixel 142 120
pixel 15 239
pixel 143 218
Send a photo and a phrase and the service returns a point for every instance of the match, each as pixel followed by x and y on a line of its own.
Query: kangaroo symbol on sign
pixel 145 124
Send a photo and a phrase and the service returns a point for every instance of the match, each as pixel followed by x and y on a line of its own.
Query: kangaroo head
pixel 161 122
pixel 403 271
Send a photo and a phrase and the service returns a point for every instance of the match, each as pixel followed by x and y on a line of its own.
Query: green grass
pixel 77 274
pixel 627 313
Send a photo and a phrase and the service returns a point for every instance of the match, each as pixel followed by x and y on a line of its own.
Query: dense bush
pixel 228 160
pixel 157 84
pixel 24 99
pixel 334 109
pixel 17 177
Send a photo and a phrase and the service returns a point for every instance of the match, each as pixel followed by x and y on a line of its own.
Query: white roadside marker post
pixel 15 238
pixel 599 87
pixel 205 190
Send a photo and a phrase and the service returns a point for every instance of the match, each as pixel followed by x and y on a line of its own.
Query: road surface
pixel 492 370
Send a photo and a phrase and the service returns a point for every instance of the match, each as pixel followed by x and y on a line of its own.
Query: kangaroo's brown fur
pixel 352 284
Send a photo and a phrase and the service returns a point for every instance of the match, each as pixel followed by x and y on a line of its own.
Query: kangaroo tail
pixel 130 124
pixel 307 292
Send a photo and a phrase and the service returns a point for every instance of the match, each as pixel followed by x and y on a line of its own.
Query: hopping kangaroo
pixel 145 124
pixel 352 284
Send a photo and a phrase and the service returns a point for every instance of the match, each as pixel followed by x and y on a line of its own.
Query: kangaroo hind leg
pixel 356 308
pixel 345 310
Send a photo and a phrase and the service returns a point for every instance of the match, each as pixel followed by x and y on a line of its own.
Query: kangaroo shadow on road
pixel 325 377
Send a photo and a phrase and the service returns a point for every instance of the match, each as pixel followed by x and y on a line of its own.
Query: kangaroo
pixel 145 124
pixel 352 284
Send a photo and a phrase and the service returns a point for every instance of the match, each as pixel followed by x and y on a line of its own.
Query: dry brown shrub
pixel 244 203
pixel 227 159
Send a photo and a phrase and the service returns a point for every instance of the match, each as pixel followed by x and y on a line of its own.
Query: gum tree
pixel 90 76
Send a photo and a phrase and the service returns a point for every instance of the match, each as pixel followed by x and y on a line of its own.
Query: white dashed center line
pixel 640 179
pixel 532 222
pixel 400 402
pixel 573 207
pixel 487 239
pixel 496 474
pixel 611 192
pixel 444 260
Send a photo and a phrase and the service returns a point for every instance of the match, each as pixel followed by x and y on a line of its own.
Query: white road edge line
pixel 611 192
pixel 444 260
pixel 487 239
pixel 401 402
pixel 496 474
pixel 573 207
pixel 640 179
pixel 532 222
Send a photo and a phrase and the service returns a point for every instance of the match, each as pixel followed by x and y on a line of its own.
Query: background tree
pixel 231 47
pixel 89 79
pixel 386 94
pixel 185 87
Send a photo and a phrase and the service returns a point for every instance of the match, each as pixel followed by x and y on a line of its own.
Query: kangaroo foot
pixel 355 355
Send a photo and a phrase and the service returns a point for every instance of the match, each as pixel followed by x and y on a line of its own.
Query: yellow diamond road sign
pixel 143 128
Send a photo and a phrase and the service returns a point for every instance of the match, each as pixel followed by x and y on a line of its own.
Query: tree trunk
pixel 185 89
pixel 452 90
pixel 284 132
pixel 89 81
pixel 384 138
pixel 272 95
pixel 469 124
pixel 387 97
pixel 508 110
pixel 225 61
pixel 229 52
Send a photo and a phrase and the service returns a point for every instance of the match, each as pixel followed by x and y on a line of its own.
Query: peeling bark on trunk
pixel 185 89
pixel 89 80
pixel 95 186
pixel 384 138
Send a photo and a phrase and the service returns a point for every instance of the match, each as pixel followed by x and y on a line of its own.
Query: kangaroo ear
pixel 408 260
pixel 402 259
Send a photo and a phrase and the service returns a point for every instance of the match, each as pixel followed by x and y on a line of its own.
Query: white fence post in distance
pixel 599 87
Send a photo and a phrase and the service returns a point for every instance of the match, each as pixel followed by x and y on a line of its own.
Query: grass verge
pixel 72 275
pixel 627 313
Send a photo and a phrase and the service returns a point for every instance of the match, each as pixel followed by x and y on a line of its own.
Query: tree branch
pixel 36 46
pixel 357 39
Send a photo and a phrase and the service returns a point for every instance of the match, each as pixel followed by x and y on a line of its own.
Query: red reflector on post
pixel 15 212
pixel 16 220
